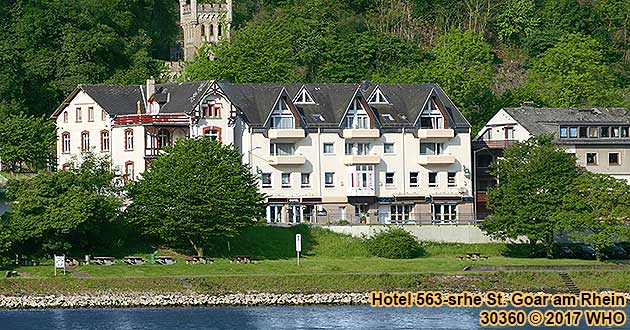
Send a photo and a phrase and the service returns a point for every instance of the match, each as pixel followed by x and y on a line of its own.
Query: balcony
pixel 361 133
pixel 430 133
pixel 286 133
pixel 444 159
pixel 361 159
pixel 287 160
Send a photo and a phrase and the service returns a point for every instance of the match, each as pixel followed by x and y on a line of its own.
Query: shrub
pixel 395 243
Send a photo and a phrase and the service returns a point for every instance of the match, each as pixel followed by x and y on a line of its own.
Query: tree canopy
pixel 26 142
pixel 65 212
pixel 533 178
pixel 197 192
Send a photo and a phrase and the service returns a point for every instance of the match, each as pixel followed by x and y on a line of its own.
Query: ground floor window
pixel 444 212
pixel 274 213
pixel 400 212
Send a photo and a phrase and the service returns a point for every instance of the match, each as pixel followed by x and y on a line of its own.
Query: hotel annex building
pixel 323 153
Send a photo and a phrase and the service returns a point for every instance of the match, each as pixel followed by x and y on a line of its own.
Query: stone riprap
pixel 122 300
pixel 175 299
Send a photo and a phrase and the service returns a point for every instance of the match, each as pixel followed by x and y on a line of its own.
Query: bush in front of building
pixel 395 243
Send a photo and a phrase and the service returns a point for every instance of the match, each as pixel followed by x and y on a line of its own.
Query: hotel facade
pixel 598 137
pixel 323 153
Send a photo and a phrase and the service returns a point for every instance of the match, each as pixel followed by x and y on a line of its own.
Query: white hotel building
pixel 323 152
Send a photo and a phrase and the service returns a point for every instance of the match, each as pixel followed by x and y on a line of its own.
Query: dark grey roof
pixel 546 120
pixel 256 101
pixel 116 99
pixel 332 100
pixel 182 97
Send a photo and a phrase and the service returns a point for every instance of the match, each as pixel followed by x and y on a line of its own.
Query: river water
pixel 294 317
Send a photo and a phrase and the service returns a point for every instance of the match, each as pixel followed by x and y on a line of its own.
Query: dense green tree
pixel 517 20
pixel 462 66
pixel 26 142
pixel 574 73
pixel 533 178
pixel 65 212
pixel 597 210
pixel 197 192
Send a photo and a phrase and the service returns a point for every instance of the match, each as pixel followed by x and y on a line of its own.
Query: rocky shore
pixel 175 299
pixel 123 300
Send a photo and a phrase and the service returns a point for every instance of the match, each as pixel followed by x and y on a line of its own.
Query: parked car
pixel 615 252
pixel 563 252
pixel 585 252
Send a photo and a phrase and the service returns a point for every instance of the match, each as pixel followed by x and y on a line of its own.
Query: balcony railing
pixel 492 144
pixel 443 159
pixel 362 159
pixel 424 219
pixel 286 133
pixel 151 119
pixel 287 160
pixel 432 133
pixel 358 133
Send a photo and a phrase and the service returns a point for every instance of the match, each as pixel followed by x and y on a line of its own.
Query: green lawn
pixel 308 265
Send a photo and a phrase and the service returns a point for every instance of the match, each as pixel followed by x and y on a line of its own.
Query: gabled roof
pixel 255 101
pixel 123 100
pixel 546 120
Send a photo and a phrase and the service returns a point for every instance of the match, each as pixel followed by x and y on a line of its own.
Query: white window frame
pixel 276 149
pixel 286 183
pixel 392 151
pixel 435 184
pixel 262 180
pixel 357 117
pixel 332 146
pixel 444 212
pixel 433 113
pixel 436 148
pixel 307 183
pixel 304 98
pixel 417 176
pixel 329 183
pixel 451 175
pixel 282 117
pixel 392 176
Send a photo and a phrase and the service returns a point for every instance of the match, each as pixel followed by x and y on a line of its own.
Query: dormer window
pixel 304 97
pixel 357 117
pixel 282 117
pixel 431 117
pixel 378 98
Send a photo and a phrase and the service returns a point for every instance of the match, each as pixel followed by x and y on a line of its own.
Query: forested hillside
pixel 484 53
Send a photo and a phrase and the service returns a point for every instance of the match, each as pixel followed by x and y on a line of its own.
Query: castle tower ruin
pixel 203 23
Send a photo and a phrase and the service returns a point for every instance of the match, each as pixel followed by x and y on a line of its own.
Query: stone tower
pixel 203 23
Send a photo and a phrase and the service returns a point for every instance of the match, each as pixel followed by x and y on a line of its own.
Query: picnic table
pixel 165 260
pixel 134 261
pixel 473 256
pixel 72 261
pixel 196 260
pixel 103 261
pixel 241 260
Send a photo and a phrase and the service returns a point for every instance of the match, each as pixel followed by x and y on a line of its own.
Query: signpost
pixel 60 262
pixel 298 246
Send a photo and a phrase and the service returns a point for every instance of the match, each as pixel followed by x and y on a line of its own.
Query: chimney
pixel 364 85
pixel 150 88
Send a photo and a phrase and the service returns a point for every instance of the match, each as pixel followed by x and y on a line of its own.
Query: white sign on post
pixel 60 262
pixel 298 246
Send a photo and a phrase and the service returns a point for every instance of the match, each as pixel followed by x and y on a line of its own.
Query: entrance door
pixel 295 214
pixel 360 211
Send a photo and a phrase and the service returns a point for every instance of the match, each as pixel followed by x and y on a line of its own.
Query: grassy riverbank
pixel 333 263
pixel 314 283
